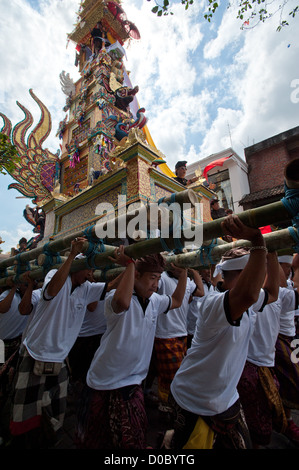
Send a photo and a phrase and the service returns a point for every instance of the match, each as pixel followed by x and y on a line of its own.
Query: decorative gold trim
pixel 89 19
pixel 135 136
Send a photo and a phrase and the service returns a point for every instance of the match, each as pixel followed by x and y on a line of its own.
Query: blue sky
pixel 204 85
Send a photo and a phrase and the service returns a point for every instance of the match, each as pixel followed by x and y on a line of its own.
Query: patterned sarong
pixel 287 372
pixel 38 398
pixel 169 354
pixel 259 394
pixel 227 430
pixel 112 419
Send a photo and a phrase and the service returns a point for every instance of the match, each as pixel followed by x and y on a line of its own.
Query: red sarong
pixel 169 353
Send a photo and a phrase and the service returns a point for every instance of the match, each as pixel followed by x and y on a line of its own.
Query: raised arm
pixel 272 281
pixel 200 292
pixel 248 285
pixel 114 282
pixel 61 275
pixel 178 295
pixel 124 290
pixel 5 304
pixel 25 306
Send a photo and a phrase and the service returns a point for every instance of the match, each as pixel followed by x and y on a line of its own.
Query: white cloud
pixel 252 93
pixel 161 65
pixel 11 239
pixel 228 36
pixel 33 53
pixel 219 136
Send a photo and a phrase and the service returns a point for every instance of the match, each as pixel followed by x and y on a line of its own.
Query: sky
pixel 205 86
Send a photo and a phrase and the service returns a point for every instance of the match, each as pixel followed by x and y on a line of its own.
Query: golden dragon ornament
pixel 36 168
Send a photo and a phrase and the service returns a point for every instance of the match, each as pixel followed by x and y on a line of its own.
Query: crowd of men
pixel 221 347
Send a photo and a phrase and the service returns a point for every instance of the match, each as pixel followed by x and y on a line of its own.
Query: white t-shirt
pixel 36 295
pixel 261 349
pixel 206 382
pixel 56 323
pixel 194 306
pixel 12 323
pixel 174 324
pixel 126 347
pixel 192 314
pixel 94 323
pixel 289 303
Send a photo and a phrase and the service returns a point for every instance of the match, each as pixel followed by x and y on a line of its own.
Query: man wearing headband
pixel 112 413
pixel 204 390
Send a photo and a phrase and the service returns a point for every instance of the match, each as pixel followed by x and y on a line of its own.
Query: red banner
pixel 213 164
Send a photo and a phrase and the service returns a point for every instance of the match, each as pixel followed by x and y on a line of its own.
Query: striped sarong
pixel 169 354
pixel 112 419
pixel 287 372
pixel 263 408
pixel 38 399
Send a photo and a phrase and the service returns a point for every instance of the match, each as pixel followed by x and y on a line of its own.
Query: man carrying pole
pixel 204 389
pixel 39 401
pixel 112 413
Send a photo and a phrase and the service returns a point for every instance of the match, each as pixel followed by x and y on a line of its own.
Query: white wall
pixel 239 183
pixel 237 168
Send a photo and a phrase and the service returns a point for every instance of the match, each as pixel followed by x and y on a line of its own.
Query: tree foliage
pixel 250 12
pixel 8 155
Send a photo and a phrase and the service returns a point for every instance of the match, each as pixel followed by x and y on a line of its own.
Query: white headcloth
pixel 285 259
pixel 233 264
pixel 80 256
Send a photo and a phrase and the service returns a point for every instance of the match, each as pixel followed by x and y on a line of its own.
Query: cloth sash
pixel 202 436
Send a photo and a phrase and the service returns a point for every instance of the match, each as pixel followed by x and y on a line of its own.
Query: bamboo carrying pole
pixel 266 215
pixel 275 241
pixel 280 241
pixel 101 260
pixel 63 243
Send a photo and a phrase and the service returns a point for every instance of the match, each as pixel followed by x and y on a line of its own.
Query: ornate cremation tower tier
pixel 100 103
pixel 106 150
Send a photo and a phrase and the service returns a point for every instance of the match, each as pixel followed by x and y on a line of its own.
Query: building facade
pixel 228 179
pixel 266 161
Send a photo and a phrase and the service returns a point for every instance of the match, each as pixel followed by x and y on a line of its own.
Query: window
pixel 222 188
